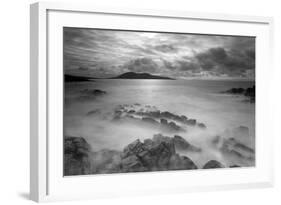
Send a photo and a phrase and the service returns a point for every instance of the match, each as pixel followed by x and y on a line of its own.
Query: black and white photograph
pixel 143 101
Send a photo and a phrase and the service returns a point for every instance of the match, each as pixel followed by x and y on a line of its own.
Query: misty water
pixel 198 99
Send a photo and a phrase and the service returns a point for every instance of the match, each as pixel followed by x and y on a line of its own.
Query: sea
pixel 203 100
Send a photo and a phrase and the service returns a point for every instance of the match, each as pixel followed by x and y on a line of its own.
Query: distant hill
pixel 73 78
pixel 133 75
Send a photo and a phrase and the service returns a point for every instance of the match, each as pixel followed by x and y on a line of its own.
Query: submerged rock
pixel 212 164
pixel 201 125
pixel 95 92
pixel 150 121
pixel 93 112
pixel 166 121
pixel 233 147
pixel 190 122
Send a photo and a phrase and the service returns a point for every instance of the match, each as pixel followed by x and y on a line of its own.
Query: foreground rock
pixel 213 164
pixel 156 154
pixel 77 156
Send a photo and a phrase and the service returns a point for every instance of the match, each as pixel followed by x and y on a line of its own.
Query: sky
pixel 107 53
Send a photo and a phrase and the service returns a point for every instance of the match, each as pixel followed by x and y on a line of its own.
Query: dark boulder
pixel 167 115
pixel 190 122
pixel 163 121
pixel 77 156
pixel 178 162
pixel 234 166
pixel 213 164
pixel 154 154
pixel 183 118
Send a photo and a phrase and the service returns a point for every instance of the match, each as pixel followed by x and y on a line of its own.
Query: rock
pixel 154 114
pixel 167 115
pixel 150 120
pixel 178 118
pixel 234 166
pixel 132 164
pixel 250 93
pixel 154 154
pixel 201 125
pixel 182 144
pixel 184 118
pixel 174 126
pixel 241 131
pixel 158 138
pixel 236 91
pixel 212 164
pixel 131 111
pixel 163 121
pixel 232 146
pixel 190 122
pixel 150 155
pixel 77 154
pixel 181 163
pixel 95 92
pixel 93 112
pixel 133 148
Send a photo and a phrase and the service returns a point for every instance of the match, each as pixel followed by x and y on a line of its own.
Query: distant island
pixel 128 75
pixel 133 75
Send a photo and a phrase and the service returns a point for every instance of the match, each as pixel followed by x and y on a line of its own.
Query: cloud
pixel 166 48
pixel 232 62
pixel 111 52
pixel 142 65
pixel 182 65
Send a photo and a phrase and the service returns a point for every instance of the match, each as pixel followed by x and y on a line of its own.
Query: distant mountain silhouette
pixel 133 75
pixel 73 78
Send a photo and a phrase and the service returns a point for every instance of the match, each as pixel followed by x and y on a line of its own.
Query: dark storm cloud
pixel 232 62
pixel 111 52
pixel 142 65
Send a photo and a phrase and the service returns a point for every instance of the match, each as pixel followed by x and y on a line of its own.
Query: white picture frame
pixel 46 179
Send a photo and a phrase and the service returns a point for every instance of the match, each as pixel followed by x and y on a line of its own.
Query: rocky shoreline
pixel 250 93
pixel 160 153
